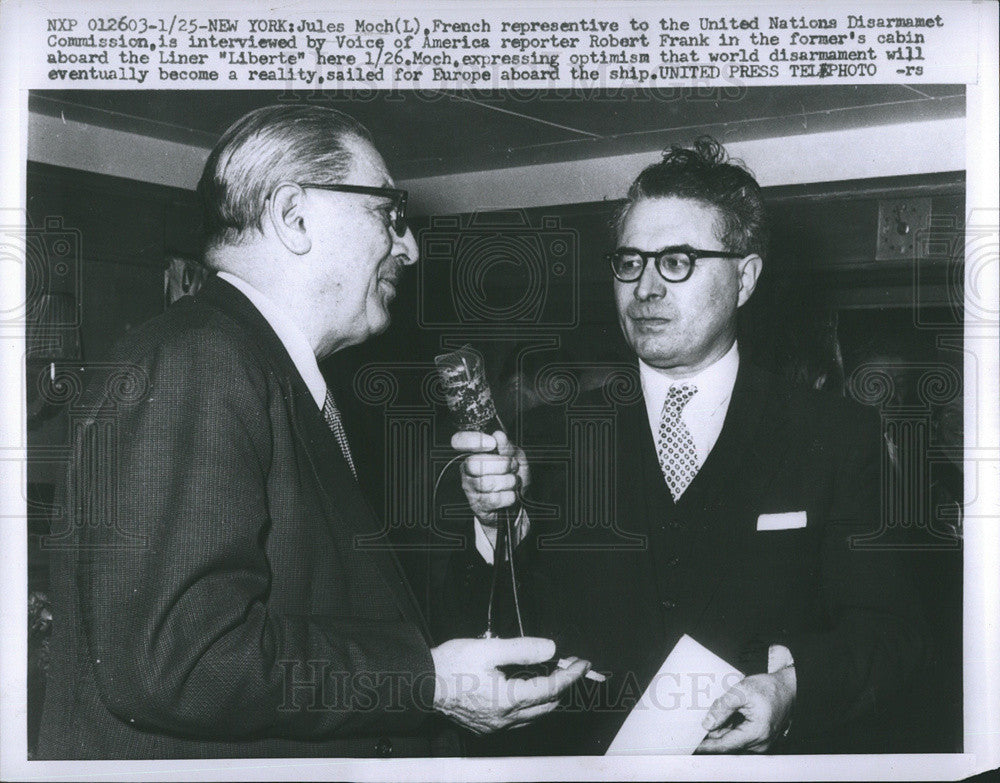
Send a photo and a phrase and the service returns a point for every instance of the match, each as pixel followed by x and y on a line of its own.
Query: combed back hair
pixel 707 174
pixel 268 146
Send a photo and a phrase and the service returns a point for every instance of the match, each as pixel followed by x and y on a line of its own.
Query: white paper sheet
pixel 667 718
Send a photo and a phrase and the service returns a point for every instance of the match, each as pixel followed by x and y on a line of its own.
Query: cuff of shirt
pixel 486 537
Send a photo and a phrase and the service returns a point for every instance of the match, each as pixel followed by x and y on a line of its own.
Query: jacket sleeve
pixel 872 641
pixel 174 579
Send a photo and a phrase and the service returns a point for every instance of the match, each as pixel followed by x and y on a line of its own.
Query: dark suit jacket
pixel 208 594
pixel 622 597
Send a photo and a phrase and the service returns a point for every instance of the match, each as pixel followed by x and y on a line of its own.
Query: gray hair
pixel 270 145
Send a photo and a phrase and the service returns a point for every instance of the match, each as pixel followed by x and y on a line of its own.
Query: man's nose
pixel 405 247
pixel 651 284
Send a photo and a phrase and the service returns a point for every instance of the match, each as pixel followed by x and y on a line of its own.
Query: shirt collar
pixel 714 383
pixel 288 332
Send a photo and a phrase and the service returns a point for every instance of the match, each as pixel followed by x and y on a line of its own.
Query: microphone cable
pixel 503 547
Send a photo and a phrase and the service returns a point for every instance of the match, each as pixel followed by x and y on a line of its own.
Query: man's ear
pixel 284 214
pixel 749 268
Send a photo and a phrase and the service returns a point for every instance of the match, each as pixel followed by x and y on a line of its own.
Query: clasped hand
pixel 493 474
pixel 470 689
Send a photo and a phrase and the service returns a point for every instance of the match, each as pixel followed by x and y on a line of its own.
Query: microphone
pixel 467 394
pixel 470 402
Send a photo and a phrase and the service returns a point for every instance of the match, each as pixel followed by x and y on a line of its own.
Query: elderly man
pixel 210 598
pixel 742 494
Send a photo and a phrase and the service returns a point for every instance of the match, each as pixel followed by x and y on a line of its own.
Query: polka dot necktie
pixel 334 421
pixel 675 446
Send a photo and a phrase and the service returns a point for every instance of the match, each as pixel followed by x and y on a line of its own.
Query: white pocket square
pixel 790 520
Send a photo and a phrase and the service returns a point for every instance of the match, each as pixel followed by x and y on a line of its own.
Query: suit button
pixel 674 561
pixel 675 525
pixel 668 604
pixel 383 748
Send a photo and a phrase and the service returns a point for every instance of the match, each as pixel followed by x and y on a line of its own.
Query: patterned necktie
pixel 675 446
pixel 333 420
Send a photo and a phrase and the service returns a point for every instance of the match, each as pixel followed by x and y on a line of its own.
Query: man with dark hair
pixel 724 507
pixel 706 174
pixel 210 596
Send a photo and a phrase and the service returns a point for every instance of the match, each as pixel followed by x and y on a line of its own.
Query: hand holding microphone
pixel 493 474
pixel 485 483
pixel 497 470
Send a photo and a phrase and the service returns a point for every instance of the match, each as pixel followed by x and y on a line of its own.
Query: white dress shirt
pixel 706 411
pixel 291 337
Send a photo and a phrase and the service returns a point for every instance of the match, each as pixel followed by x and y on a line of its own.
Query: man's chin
pixel 379 324
pixel 362 333
pixel 653 352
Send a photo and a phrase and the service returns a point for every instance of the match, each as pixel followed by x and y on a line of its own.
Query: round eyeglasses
pixel 675 263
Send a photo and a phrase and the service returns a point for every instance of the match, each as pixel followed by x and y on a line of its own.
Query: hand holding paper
pixel 760 706
pixel 668 717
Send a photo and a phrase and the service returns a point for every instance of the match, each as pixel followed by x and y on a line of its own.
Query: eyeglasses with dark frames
pixel 675 263
pixel 397 216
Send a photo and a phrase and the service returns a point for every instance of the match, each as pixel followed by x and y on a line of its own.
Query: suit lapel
pixel 639 467
pixel 754 436
pixel 727 461
pixel 341 493
pixel 343 501
pixel 753 439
